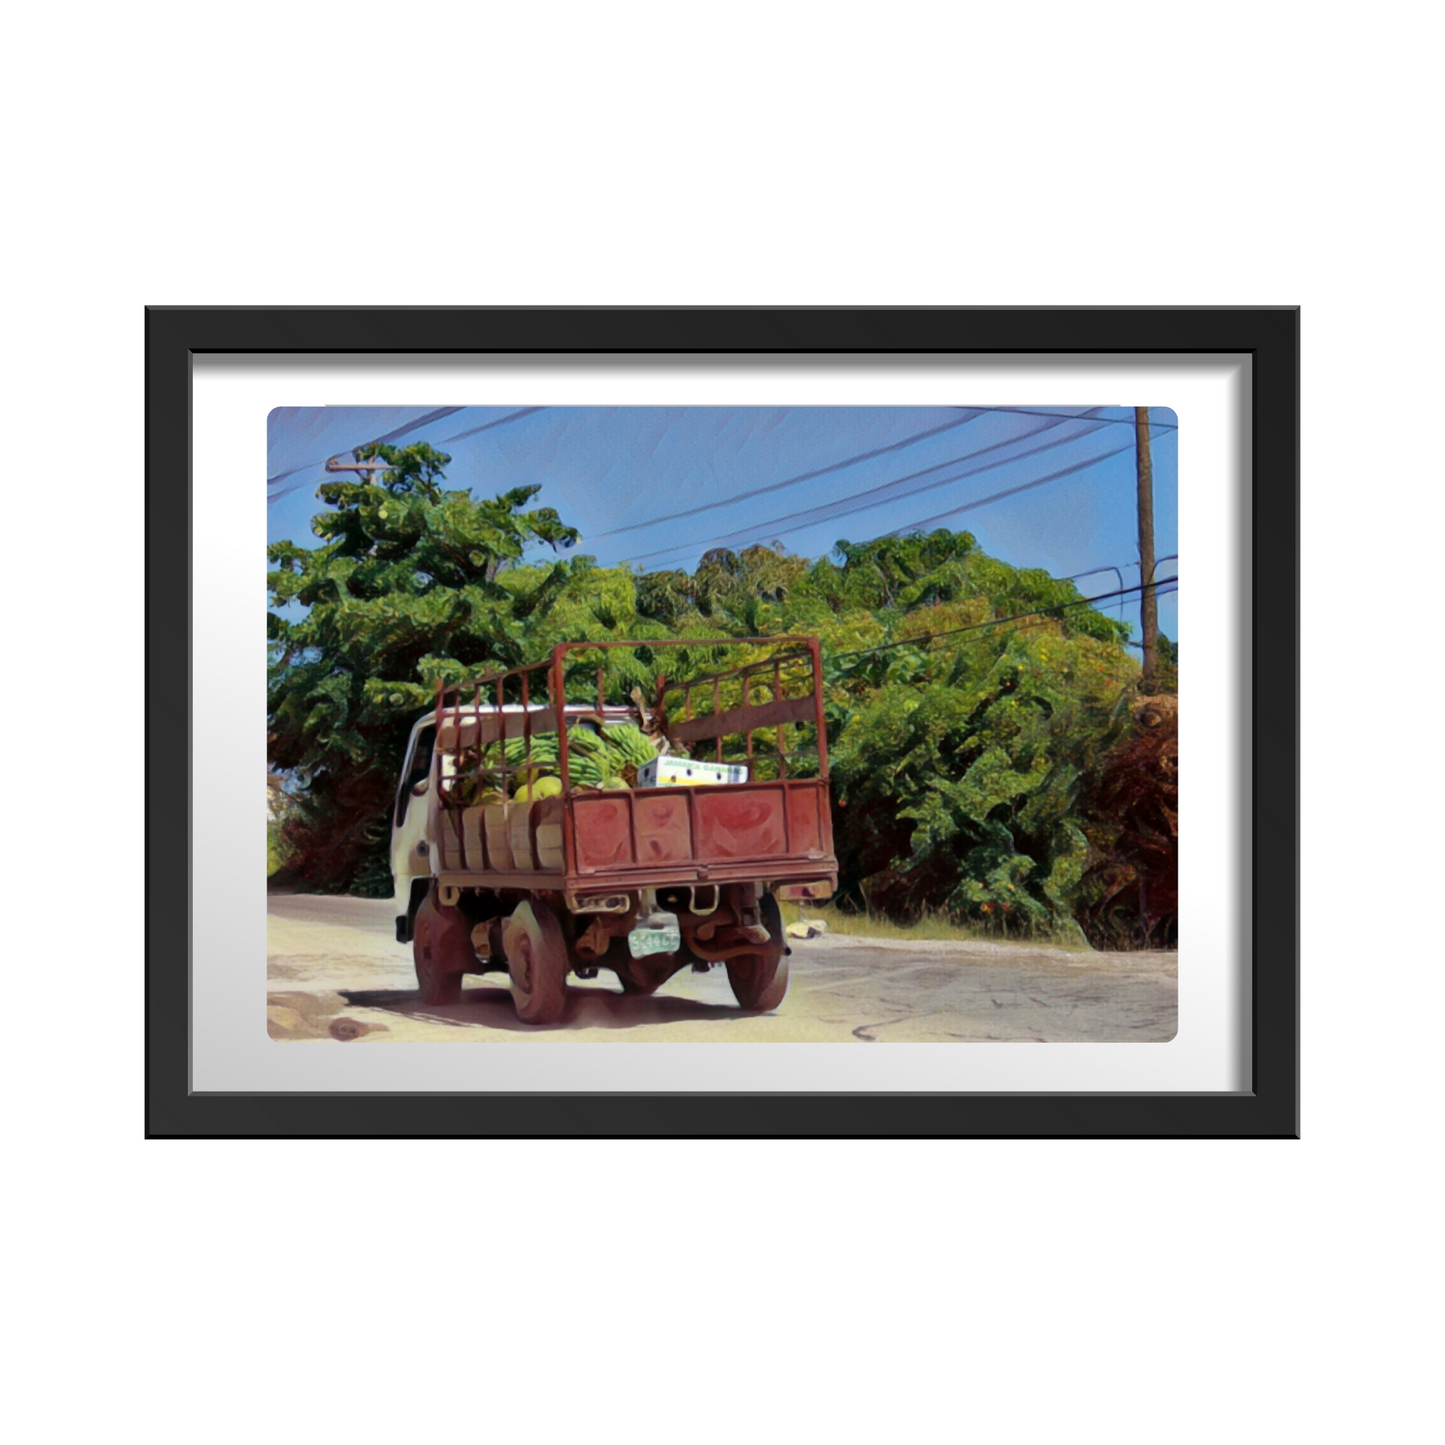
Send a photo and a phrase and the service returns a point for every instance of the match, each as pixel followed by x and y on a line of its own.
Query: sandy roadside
pixel 335 972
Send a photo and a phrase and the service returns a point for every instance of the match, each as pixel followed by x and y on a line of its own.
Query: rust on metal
pixel 716 711
pixel 773 827
pixel 526 725
pixel 746 718
pixel 558 686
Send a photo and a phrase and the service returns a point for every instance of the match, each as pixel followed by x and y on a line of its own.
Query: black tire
pixel 441 951
pixel 537 959
pixel 760 980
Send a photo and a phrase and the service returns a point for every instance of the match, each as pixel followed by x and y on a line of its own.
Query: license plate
pixel 642 941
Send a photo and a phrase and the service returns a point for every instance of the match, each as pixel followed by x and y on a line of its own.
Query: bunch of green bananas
pixel 627 743
pixel 541 754
pixel 594 759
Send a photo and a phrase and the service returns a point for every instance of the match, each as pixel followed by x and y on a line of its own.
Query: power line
pixel 1000 621
pixel 827 511
pixel 399 431
pixel 801 477
pixel 488 425
pixel 1117 420
pixel 1114 567
pixel 976 412
pixel 1094 572
pixel 395 434
pixel 1117 570
pixel 1010 491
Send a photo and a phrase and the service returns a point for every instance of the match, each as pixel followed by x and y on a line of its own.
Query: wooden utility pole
pixel 1148 607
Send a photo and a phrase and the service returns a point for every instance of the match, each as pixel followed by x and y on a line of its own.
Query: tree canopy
pixel 409 585
pixel 985 753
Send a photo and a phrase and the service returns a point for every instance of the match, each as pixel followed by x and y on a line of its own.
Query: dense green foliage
pixel 408 586
pixel 973 740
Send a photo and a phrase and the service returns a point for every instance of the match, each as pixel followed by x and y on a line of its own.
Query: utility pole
pixel 1148 607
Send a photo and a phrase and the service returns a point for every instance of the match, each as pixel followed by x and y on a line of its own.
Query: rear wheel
pixel 441 949
pixel 537 960
pixel 760 980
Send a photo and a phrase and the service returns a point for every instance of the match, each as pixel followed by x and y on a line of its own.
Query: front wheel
pixel 760 980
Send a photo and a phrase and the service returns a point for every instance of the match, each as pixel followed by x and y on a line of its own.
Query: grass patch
pixel 932 927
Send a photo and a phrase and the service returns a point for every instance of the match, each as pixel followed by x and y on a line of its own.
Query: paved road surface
pixel 334 970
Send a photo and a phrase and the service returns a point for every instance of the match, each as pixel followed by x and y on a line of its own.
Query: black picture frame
pixel 1269 336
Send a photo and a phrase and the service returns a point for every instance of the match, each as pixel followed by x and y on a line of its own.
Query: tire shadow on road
pixel 590 1008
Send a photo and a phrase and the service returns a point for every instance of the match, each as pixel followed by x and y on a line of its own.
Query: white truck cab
pixel 411 855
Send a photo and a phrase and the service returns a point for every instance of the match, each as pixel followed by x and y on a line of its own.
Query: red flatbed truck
pixel 643 880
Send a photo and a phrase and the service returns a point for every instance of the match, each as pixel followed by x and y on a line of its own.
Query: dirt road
pixel 335 971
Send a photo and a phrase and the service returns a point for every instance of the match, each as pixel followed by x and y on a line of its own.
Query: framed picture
pixel 586 730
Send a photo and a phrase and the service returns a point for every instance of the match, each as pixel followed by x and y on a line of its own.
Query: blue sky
pixel 1039 485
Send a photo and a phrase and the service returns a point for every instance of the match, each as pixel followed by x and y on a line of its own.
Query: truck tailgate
pixel 742 824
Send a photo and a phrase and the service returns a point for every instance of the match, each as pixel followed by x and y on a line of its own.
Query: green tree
pixel 960 740
pixel 981 720
pixel 957 769
pixel 412 583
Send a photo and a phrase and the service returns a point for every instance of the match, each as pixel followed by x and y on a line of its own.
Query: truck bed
pixel 774 828
pixel 644 838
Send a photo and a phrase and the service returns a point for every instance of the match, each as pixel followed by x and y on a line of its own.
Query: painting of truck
pixel 714 724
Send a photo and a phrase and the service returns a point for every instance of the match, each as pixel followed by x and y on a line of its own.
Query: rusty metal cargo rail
pixel 776 825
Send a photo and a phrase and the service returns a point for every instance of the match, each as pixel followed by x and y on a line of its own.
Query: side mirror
pixel 419 788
